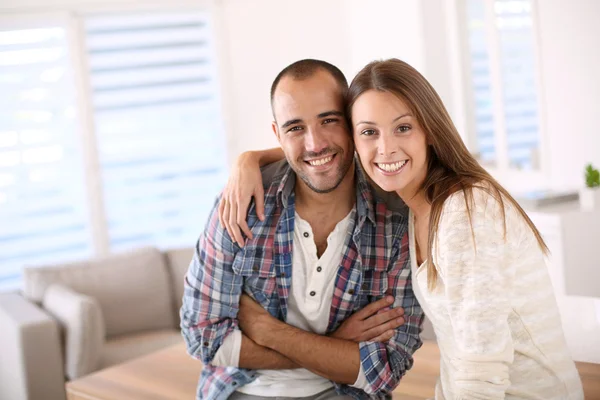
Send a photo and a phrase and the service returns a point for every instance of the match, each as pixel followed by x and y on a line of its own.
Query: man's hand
pixel 254 319
pixel 369 324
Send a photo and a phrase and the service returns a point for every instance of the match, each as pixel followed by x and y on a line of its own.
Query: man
pixel 322 265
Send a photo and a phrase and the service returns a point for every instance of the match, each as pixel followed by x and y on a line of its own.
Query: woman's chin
pixel 388 186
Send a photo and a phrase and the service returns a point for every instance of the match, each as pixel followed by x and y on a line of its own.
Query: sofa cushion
pixel 81 320
pixel 132 288
pixel 178 261
pixel 127 347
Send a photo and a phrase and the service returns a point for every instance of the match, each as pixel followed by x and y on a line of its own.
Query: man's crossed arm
pixel 272 344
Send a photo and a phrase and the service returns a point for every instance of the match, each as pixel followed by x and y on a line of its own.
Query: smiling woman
pixel 392 148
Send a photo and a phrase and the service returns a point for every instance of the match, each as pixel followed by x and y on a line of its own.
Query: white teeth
pixel 322 161
pixel 392 167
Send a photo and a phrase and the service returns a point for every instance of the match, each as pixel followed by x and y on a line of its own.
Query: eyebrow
pixel 322 115
pixel 330 114
pixel 395 119
pixel 291 122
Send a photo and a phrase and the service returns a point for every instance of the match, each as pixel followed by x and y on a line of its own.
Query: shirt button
pixel 306 234
pixel 351 291
pixel 313 293
pixel 255 268
pixel 205 344
pixel 319 269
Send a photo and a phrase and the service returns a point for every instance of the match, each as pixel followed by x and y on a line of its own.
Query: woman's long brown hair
pixel 451 167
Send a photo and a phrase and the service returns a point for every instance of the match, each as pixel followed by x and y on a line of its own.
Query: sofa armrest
pixel 81 318
pixel 31 364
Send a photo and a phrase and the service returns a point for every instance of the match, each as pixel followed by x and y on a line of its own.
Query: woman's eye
pixel 404 128
pixel 368 132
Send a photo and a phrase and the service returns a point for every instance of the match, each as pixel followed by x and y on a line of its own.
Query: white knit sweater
pixel 493 309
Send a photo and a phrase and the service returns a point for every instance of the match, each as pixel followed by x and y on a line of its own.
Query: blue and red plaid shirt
pixel 375 263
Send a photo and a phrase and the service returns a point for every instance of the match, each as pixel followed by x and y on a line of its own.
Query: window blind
pixel 512 20
pixel 158 123
pixel 43 214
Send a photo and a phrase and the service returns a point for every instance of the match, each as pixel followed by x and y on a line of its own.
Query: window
pixel 43 210
pixel 150 89
pixel 158 128
pixel 503 84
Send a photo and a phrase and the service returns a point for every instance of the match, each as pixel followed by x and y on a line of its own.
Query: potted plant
pixel 589 197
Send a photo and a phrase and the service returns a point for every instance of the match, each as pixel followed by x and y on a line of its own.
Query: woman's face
pixel 390 142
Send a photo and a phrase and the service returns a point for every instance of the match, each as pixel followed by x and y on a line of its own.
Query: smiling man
pixel 318 303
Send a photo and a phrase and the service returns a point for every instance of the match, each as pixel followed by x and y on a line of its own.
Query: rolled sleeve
pixel 361 381
pixel 211 293
pixel 228 354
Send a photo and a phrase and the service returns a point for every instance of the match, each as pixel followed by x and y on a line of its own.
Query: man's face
pixel 312 130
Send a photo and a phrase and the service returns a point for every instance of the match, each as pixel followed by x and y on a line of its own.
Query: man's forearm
pixel 254 356
pixel 335 359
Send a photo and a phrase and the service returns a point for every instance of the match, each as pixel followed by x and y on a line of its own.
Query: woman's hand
pixel 245 182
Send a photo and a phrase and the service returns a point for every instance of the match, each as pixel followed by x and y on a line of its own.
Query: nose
pixel 315 140
pixel 386 145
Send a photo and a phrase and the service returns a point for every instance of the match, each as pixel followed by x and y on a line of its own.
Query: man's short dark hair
pixel 304 69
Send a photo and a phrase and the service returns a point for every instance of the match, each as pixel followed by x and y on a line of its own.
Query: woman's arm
pixel 245 182
pixel 268 156
pixel 478 280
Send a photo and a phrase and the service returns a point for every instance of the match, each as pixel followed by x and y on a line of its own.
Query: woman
pixel 478 265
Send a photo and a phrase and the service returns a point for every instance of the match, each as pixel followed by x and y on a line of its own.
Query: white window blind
pixel 481 82
pixel 502 58
pixel 158 123
pixel 43 214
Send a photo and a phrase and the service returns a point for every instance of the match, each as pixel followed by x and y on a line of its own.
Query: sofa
pixel 71 320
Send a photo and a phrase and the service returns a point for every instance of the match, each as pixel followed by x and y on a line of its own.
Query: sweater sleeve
pixel 471 258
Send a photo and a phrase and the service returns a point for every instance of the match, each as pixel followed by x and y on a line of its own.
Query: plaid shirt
pixel 375 263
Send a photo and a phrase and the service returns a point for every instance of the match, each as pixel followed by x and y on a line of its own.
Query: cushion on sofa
pixel 178 262
pixel 132 288
pixel 83 326
pixel 127 347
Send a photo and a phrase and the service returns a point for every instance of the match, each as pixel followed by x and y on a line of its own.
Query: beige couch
pixel 71 320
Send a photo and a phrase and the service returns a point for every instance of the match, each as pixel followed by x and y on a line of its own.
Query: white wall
pixel 261 37
pixel 570 60
pixel 380 29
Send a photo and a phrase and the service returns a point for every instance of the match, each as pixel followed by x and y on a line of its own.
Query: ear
pixel 275 130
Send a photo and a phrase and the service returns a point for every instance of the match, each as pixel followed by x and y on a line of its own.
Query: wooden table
pixel 170 374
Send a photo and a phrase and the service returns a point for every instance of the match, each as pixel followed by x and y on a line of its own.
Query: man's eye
pixel 368 132
pixel 295 129
pixel 329 120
